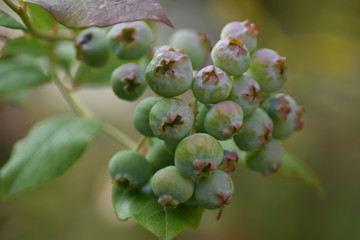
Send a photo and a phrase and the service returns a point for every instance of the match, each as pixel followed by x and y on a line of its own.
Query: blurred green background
pixel 321 40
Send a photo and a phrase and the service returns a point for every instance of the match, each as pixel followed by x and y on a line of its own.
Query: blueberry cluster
pixel 234 99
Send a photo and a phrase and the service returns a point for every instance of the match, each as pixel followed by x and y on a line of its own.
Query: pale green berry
pixel 231 56
pixel 198 154
pixel 171 187
pixel 246 92
pixel 244 30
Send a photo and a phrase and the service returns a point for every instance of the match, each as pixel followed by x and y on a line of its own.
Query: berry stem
pixel 140 143
pixel 83 111
pixel 21 11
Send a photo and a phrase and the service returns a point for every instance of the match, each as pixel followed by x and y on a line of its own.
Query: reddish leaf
pixel 102 13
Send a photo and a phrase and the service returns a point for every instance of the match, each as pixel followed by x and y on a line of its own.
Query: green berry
pixel 169 73
pixel 171 119
pixel 230 161
pixel 224 120
pixel 128 82
pixel 198 154
pixel 195 44
pixel 171 187
pixel 129 170
pixel 285 113
pixel 246 92
pixel 65 53
pixel 244 30
pixel 141 115
pixel 130 40
pixel 256 132
pixel 211 85
pixel 231 56
pixel 159 156
pixel 92 47
pixel 268 69
pixel 215 191
pixel 267 159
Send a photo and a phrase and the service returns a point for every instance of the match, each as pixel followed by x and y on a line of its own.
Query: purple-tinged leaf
pixel 102 13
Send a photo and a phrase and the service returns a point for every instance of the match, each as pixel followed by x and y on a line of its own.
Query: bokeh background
pixel 321 40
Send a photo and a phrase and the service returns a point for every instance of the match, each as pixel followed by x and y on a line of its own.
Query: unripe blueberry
pixel 285 113
pixel 244 30
pixel 246 92
pixel 267 159
pixel 224 120
pixel 92 47
pixel 268 68
pixel 284 129
pixel 141 115
pixel 171 119
pixel 211 85
pixel 128 82
pixel 130 40
pixel 214 191
pixel 195 44
pixel 159 156
pixel 200 117
pixel 198 154
pixel 129 170
pixel 280 106
pixel 231 55
pixel 169 73
pixel 256 132
pixel 65 53
pixel 171 187
pixel 230 161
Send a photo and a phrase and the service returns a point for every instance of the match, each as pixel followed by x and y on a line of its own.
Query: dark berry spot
pixel 237 45
pixel 171 123
pixel 166 66
pixel 210 76
pixel 204 167
pixel 281 67
pixel 122 182
pixel 233 129
pixel 230 160
pixel 131 83
pixel 267 137
pixel 168 201
pixel 223 198
pixel 85 40
pixel 253 94
pixel 127 35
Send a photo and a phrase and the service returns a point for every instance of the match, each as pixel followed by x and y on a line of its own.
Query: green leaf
pixel 48 150
pixel 85 13
pixel 23 45
pixel 19 73
pixel 293 167
pixel 17 97
pixel 89 75
pixel 165 223
pixel 42 19
pixel 9 22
